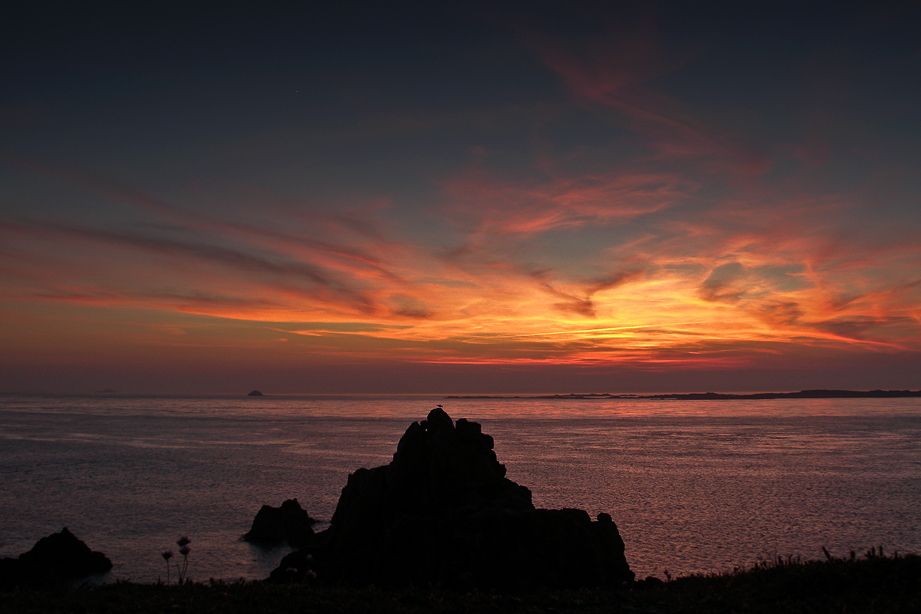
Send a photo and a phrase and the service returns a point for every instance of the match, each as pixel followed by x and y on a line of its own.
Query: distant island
pixel 716 396
pixel 255 393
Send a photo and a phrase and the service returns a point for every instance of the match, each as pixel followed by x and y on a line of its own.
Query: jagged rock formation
pixel 57 558
pixel 443 512
pixel 288 523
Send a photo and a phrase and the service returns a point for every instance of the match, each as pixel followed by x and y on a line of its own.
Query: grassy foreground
pixel 874 583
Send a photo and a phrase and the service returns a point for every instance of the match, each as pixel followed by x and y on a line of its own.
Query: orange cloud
pixel 732 277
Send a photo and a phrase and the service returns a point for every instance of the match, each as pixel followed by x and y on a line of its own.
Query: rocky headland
pixel 443 512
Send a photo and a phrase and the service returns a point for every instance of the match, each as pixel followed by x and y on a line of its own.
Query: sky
pixel 473 198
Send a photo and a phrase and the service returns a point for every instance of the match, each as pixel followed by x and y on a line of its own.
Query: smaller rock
pixel 57 558
pixel 273 525
pixel 294 567
pixel 648 583
pixel 67 554
pixel 255 393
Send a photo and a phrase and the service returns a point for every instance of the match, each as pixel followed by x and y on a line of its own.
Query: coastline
pixel 714 396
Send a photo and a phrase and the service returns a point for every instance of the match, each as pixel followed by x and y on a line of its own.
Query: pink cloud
pixel 496 206
pixel 615 72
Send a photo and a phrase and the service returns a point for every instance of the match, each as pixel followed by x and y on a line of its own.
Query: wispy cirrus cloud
pixel 752 279
pixel 614 71
pixel 492 205
pixel 157 254
pixel 105 186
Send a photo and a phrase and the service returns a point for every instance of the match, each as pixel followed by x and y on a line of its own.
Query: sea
pixel 695 487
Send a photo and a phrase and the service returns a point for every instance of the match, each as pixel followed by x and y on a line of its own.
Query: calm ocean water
pixel 694 486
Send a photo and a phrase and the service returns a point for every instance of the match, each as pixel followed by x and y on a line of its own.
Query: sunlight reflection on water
pixel 694 486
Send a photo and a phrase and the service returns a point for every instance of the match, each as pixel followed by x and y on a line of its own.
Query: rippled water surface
pixel 694 486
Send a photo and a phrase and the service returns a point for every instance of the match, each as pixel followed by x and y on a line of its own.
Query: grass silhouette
pixel 874 582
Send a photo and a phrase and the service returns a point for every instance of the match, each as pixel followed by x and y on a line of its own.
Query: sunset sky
pixel 434 197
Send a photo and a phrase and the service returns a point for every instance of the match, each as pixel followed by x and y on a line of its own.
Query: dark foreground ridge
pixel 890 584
pixel 443 512
pixel 706 396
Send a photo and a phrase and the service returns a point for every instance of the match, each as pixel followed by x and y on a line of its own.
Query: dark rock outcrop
pixel 255 393
pixel 296 566
pixel 273 525
pixel 60 557
pixel 443 512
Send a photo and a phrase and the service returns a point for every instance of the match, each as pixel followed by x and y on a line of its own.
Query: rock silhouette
pixel 296 566
pixel 56 558
pixel 443 512
pixel 288 523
